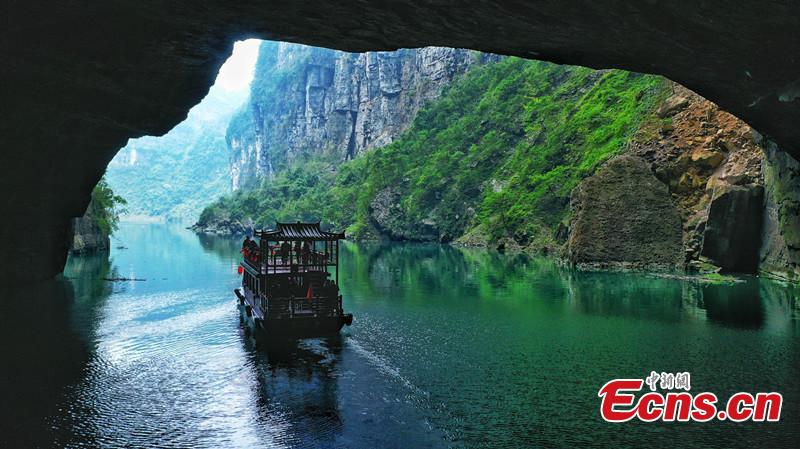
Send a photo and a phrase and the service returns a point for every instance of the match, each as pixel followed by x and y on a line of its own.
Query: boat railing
pixel 316 261
pixel 293 306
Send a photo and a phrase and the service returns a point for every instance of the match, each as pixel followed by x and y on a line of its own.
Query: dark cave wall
pixel 79 78
pixel 734 244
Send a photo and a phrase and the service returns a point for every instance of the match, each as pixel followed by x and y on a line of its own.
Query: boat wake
pixel 436 416
pixel 385 367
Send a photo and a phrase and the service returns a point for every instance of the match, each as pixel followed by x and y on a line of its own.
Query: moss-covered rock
pixel 780 252
pixel 623 217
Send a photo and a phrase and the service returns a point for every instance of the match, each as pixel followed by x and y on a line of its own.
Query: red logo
pixel 621 401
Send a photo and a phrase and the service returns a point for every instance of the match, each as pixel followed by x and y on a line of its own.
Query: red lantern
pixel 240 269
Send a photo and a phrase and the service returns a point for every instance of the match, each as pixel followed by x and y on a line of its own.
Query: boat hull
pixel 296 327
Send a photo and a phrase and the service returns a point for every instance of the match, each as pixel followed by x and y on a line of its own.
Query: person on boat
pixel 297 250
pixel 292 286
pixel 246 247
pixel 286 248
pixel 306 252
pixel 254 250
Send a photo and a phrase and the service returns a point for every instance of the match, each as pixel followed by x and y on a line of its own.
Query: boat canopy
pixel 298 231
pixel 319 251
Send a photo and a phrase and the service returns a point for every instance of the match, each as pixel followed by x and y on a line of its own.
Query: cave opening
pixel 263 141
pixel 143 81
pixel 483 142
pixel 173 176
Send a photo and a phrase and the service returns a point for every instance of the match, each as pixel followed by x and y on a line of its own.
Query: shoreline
pixel 660 271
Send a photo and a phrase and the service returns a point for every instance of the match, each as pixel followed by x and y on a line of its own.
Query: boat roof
pixel 298 231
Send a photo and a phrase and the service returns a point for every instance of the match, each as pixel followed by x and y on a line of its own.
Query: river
pixel 450 347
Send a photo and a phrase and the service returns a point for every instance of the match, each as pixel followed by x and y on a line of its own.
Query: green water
pixel 449 348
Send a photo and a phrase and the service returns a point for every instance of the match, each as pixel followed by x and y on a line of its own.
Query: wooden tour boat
pixel 290 284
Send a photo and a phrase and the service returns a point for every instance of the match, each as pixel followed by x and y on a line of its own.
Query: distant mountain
pixel 174 176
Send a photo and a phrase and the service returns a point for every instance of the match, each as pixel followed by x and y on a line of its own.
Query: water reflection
pixel 515 347
pixel 649 297
pixel 386 269
pixel 222 246
pixel 740 307
pixel 297 389
pixel 749 304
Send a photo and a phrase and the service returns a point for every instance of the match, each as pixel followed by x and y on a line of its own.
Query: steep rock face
pixel 623 217
pixel 716 167
pixel 86 236
pixel 496 155
pixel 312 100
pixel 780 252
pixel 699 152
pixel 385 212
pixel 80 78
pixel 386 216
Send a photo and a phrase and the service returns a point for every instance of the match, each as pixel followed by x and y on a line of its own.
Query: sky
pixel 237 72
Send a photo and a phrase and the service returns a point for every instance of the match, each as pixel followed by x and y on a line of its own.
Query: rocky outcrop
pixel 224 227
pixel 314 100
pixel 87 237
pixel 698 151
pixel 716 167
pixel 711 163
pixel 386 216
pixel 623 217
pixel 385 213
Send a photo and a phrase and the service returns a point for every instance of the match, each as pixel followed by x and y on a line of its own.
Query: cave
pixel 733 245
pixel 81 78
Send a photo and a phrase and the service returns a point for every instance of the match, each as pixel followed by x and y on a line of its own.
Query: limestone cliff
pixel 312 100
pixel 513 155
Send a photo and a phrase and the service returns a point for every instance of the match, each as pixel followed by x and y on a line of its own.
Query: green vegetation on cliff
pixel 91 232
pixel 493 160
pixel 106 207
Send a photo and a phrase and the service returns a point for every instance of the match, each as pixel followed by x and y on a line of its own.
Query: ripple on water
pixel 169 371
pixel 465 349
